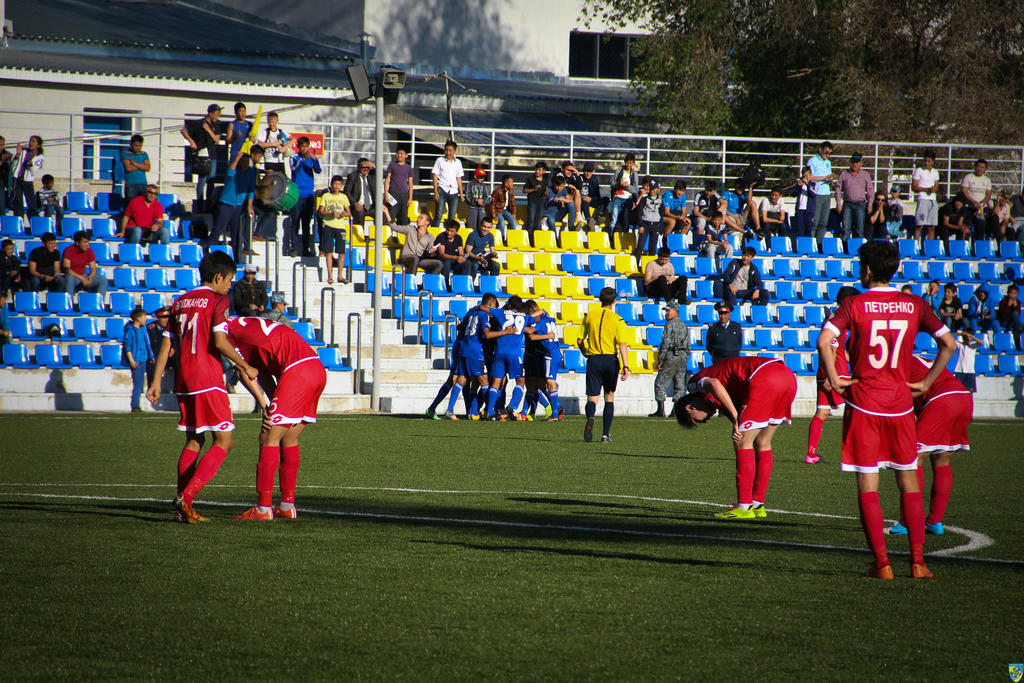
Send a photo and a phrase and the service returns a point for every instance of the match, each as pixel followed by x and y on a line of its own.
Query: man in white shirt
pixel 447 175
pixel 977 188
pixel 925 182
pixel 773 214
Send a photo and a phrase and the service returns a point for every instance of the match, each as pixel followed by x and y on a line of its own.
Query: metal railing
pixel 323 301
pixel 448 341
pixel 419 318
pixel 305 270
pixel 358 368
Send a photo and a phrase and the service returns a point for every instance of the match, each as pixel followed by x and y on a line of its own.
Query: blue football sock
pixel 441 393
pixel 481 397
pixel 542 398
pixel 456 391
pixel 555 405
pixel 517 397
pixel 492 400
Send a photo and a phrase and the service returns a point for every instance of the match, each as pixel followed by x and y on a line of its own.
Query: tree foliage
pixel 928 70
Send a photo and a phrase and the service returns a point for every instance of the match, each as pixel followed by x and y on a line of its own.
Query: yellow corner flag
pixel 247 144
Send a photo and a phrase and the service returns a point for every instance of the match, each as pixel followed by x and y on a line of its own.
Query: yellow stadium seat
pixel 545 241
pixel 519 240
pixel 553 308
pixel 414 209
pixel 644 260
pixel 372 256
pixel 434 232
pixel 356 238
pixel 464 233
pixel 570 333
pixel 516 285
pixel 635 338
pixel 599 242
pixel 574 288
pixel 625 241
pixel 571 313
pixel 639 362
pixel 625 265
pixel 545 288
pixel 499 244
pixel 517 262
pixel 573 241
pixel 549 264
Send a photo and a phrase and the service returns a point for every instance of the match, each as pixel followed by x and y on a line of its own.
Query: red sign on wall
pixel 316 142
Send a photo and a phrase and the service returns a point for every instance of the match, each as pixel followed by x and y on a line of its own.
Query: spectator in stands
pixel 955 219
pixel 660 280
pixel 705 204
pixel 398 184
pixel 6 175
pixel 823 177
pixel 536 190
pixel 980 316
pixel 5 324
pixel 78 262
pixel 304 166
pixel 143 219
pixel 334 209
pixel 893 216
pixel 853 191
pixel 1017 216
pixel 725 338
pixel 235 197
pixel 1008 313
pixel 772 214
pixel 976 189
pixel 27 164
pixel 803 225
pixel 591 202
pixel 742 280
pixel 238 130
pixel 44 267
pixel 480 253
pixel 673 209
pixel 278 312
pixel 673 357
pixel 735 211
pixel 10 267
pixel 907 289
pixel 925 182
pixel 136 165
pixel 624 188
pixel 998 219
pixel 202 134
pixel 574 180
pixel 450 251
pixel 951 311
pixel 933 295
pixel 715 244
pixel 275 144
pixel 359 190
pixel 476 197
pixel 502 208
pixel 875 225
pixel 648 208
pixel 560 205
pixel 419 250
pixel 249 295
pixel 967 348
pixel 447 179
pixel 49 202
pixel 136 353
pixel 155 329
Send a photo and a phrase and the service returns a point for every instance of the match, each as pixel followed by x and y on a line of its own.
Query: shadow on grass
pixel 146 512
pixel 667 457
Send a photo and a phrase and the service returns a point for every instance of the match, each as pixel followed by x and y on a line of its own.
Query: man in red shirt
pixel 79 265
pixel 143 219
pixel 291 373
pixel 878 425
pixel 757 395
pixel 198 328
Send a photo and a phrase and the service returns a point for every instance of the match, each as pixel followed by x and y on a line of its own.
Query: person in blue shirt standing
pixel 135 353
pixel 238 129
pixel 304 165
pixel 135 163
pixel 822 177
pixel 509 325
pixel 237 193
pixel 543 365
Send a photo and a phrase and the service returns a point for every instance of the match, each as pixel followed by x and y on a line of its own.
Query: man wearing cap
pixel 591 202
pixel 250 295
pixel 853 192
pixel 202 134
pixel 673 357
pixel 276 313
pixel 476 197
pixel 725 338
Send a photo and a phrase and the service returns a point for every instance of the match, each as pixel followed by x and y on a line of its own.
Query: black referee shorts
pixel 602 371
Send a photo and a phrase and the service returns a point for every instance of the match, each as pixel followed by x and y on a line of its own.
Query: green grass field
pixel 432 551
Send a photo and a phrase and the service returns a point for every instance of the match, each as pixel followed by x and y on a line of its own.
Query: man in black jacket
pixel 725 338
pixel 591 202
pixel 742 280
pixel 249 295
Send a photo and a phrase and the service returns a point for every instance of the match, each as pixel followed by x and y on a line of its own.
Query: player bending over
pixel 943 413
pixel 542 365
pixel 468 356
pixel 828 398
pixel 281 355
pixel 757 395
pixel 198 329
pixel 878 425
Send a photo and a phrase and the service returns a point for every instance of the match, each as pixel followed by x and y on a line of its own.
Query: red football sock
pixel 920 477
pixel 289 472
pixel 764 473
pixel 266 470
pixel 745 466
pixel 942 485
pixel 205 471
pixel 814 434
pixel 913 514
pixel 871 521
pixel 186 467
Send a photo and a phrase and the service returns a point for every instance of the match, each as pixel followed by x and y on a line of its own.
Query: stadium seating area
pixel 564 274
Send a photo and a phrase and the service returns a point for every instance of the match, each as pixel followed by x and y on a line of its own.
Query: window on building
pixel 600 55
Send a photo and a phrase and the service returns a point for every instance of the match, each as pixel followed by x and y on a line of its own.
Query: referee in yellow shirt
pixel 601 333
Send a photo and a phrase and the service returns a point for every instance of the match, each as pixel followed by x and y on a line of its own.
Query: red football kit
pixel 199 380
pixel 878 426
pixel 831 399
pixel 762 389
pixel 274 348
pixel 943 412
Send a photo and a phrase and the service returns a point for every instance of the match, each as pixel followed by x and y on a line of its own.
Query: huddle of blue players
pixel 494 348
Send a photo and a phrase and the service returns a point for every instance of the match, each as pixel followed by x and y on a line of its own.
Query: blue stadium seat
pixel 600 264
pixel 698 361
pixel 408 283
pixel 103 253
pixel 64 334
pixel 83 356
pixel 160 254
pixel 438 309
pixel 625 288
pixel 122 303
pixel 103 228
pixel 783 268
pixel 29 247
pixel 20 327
pixel 12 226
pixel 186 279
pixel 156 279
pixel 791 339
pixel 571 264
pixel 787 316
pixel 628 313
pixel 654 335
pixel 705 266
pixel 809 270
pixel 835 269
pixel 71 225
pixel 959 249
pixel 50 356
pixel 990 272
pixel 932 249
pixel 109 202
pixel 435 283
pixel 706 314
pixel 937 270
pixel 41 225
pixel 489 284
pixel 814 292
pixel 908 248
pixel 91 304
pixel 983 364
pixel 371 282
pixel 595 285
pixel 1002 342
pixel 16 356
pixel 806 246
pixel 460 307
pixel 780 246
pixel 925 343
pixel 784 291
pixel 110 356
pixel 351 255
pixel 832 246
pixel 653 314
pixel 332 359
pixel 965 292
pixel 795 362
pixel 764 339
pixel 190 254
pixel 88 329
pixel 151 301
pixel 79 202
pixel 573 361
pixel 675 243
pixel 225 248
pixel 853 245
pixel 705 290
pixel 1009 250
pixel 411 309
pixel 27 303
pixel 832 291
pixel 812 339
pixel 131 254
pixel 462 285
pixel 983 249
pixel 59 303
pixel 1008 365
pixel 306 331
pixel 127 280
pixel 759 315
pixel 432 334
pixel 167 200
pixel 911 271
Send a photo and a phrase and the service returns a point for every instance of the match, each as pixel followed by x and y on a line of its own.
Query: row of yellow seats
pixel 634 337
pixel 576 242
pixel 625 265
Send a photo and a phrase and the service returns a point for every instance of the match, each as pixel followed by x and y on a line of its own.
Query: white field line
pixel 975 540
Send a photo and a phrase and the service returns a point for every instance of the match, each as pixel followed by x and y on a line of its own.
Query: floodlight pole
pixel 378 257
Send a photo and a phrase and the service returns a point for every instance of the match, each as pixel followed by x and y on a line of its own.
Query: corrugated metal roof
pixel 572 91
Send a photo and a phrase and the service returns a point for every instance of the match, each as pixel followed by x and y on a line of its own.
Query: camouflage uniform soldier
pixel 673 355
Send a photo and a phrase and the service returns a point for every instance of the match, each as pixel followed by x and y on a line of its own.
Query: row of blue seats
pixel 100 228
pixel 112 329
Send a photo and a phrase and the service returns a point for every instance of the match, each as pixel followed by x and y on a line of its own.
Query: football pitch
pixel 437 551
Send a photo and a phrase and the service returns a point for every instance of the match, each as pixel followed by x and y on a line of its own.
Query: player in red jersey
pixel 291 373
pixel 878 425
pixel 757 395
pixel 198 328
pixel 829 399
pixel 943 413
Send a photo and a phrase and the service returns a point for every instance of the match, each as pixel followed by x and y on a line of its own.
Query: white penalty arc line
pixel 949 552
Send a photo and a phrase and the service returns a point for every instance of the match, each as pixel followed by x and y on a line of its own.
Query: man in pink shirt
pixel 853 192
pixel 78 262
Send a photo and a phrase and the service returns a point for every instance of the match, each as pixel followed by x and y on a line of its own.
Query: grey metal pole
pixel 378 257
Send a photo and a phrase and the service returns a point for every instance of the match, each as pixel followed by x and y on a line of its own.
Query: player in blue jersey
pixel 544 363
pixel 468 364
pixel 507 326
